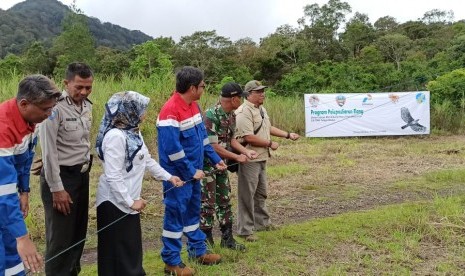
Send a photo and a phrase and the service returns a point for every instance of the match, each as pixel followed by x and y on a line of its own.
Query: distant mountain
pixel 41 20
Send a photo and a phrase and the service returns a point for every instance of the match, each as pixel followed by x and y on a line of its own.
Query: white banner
pixel 367 114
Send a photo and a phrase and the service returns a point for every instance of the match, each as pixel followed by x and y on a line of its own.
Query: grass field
pixel 358 206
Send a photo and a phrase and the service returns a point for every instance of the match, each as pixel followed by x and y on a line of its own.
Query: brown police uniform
pixel 65 143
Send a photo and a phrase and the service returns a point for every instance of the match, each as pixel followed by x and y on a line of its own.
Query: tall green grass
pixel 285 112
pixel 445 117
pixel 9 87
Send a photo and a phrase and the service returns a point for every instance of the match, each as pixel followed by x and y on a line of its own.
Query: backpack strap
pixel 260 126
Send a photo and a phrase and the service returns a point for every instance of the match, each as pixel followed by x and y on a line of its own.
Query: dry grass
pixel 314 178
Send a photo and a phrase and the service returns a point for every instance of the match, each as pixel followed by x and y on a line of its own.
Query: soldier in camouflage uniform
pixel 216 189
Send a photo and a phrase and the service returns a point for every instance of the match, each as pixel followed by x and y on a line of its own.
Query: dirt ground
pixel 317 178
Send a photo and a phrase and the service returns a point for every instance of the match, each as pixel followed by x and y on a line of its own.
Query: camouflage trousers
pixel 216 200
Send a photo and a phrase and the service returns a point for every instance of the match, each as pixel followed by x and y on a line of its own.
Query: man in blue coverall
pixel 182 145
pixel 36 97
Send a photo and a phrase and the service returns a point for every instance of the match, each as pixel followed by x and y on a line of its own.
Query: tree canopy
pixel 326 52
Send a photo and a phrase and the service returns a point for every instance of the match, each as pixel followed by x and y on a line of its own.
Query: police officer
pixel 216 189
pixel 64 180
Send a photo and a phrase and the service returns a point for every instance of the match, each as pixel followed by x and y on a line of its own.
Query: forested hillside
pixel 41 20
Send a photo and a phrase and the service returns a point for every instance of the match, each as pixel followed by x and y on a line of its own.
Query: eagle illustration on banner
pixel 407 117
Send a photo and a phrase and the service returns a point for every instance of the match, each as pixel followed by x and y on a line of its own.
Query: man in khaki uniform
pixel 254 128
pixel 64 180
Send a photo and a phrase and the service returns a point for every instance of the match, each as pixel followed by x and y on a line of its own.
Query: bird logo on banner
pixel 407 117
pixel 340 100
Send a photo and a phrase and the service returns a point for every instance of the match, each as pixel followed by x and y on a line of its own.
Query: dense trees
pixel 327 52
pixel 37 60
pixel 358 34
pixel 75 43
pixel 450 86
pixel 150 60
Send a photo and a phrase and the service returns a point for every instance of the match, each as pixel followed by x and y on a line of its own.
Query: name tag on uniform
pixel 187 124
pixel 71 119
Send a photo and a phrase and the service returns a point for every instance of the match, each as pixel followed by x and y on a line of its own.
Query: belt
pixel 83 167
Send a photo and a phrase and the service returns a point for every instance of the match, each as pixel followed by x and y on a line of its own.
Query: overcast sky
pixel 236 19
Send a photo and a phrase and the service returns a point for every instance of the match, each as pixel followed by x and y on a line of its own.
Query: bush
pixel 451 87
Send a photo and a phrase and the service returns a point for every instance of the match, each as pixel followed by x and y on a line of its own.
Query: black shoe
pixel 227 239
pixel 231 243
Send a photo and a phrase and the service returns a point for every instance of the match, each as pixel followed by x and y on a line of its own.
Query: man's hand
pixel 241 158
pixel 62 201
pixel 28 253
pixel 199 175
pixel 24 203
pixel 274 145
pixel 251 154
pixel 139 205
pixel 294 136
pixel 176 181
pixel 221 166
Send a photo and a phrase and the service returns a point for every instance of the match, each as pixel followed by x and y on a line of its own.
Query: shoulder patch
pixel 53 115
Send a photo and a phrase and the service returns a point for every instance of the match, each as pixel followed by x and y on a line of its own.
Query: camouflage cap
pixel 254 85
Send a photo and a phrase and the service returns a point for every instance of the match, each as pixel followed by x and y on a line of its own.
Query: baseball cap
pixel 231 89
pixel 254 85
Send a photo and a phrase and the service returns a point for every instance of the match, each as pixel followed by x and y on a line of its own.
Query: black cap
pixel 231 89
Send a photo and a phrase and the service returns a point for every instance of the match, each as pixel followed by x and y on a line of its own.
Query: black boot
pixel 227 239
pixel 209 240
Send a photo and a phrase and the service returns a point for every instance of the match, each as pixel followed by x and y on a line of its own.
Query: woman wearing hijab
pixel 125 159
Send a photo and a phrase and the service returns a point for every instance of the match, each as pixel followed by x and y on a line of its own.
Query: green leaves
pixel 75 43
pixel 450 86
pixel 150 60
